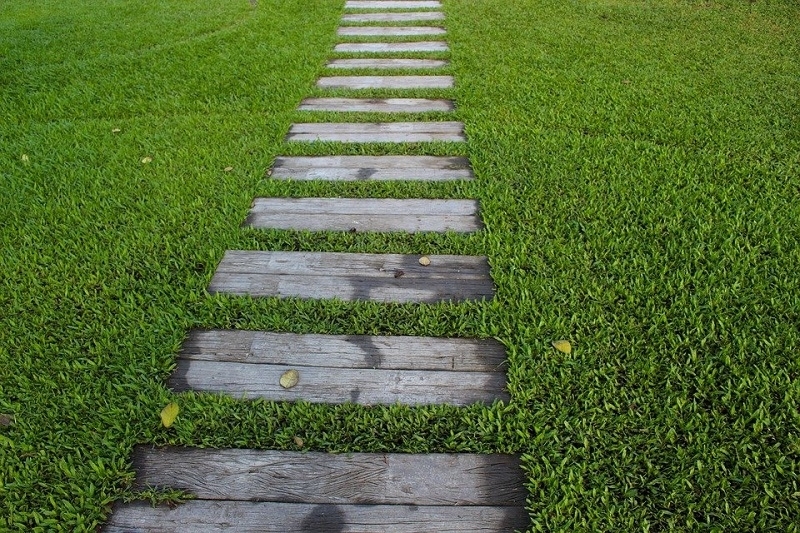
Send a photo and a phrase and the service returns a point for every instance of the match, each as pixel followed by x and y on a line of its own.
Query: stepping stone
pixel 364 214
pixel 387 63
pixel 392 4
pixel 338 369
pixel 419 46
pixel 374 277
pixel 391 30
pixel 376 105
pixel 385 82
pixel 372 168
pixel 251 491
pixel 388 132
pixel 393 17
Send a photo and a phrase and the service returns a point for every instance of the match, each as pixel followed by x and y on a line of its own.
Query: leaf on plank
pixel 424 261
pixel 289 379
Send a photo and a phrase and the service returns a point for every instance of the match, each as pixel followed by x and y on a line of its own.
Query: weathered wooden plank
pixel 390 30
pixel 325 478
pixel 213 516
pixel 392 4
pixel 385 82
pixel 391 132
pixel 393 17
pixel 386 63
pixel 376 105
pixel 345 351
pixel 365 206
pixel 375 168
pixel 377 48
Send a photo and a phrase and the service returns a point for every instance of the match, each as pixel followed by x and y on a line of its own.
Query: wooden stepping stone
pixel 418 46
pixel 388 132
pixel 393 17
pixel 376 105
pixel 266 491
pixel 385 82
pixel 386 63
pixel 372 168
pixel 338 369
pixel 392 4
pixel 375 277
pixel 364 214
pixel 391 30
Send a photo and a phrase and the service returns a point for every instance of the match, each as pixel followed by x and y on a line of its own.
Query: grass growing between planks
pixel 636 166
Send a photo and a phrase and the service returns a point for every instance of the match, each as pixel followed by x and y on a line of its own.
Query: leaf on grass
pixel 424 261
pixel 228 169
pixel 290 378
pixel 169 414
pixel 563 346
pixel 25 159
pixel 6 420
pixel 116 130
pixel 147 159
pixel 298 441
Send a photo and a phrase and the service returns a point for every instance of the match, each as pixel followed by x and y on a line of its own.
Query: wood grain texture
pixel 389 132
pixel 207 516
pixel 376 105
pixel 393 17
pixel 390 30
pixel 386 63
pixel 385 82
pixel 344 351
pixel 392 4
pixel 353 276
pixel 325 478
pixel 375 168
pixel 377 48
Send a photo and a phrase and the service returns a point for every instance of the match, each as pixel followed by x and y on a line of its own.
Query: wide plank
pixel 324 478
pixel 377 48
pixel 393 17
pixel 392 4
pixel 385 82
pixel 386 63
pixel 345 351
pixel 374 168
pixel 395 31
pixel 213 516
pixel 390 132
pixel 376 105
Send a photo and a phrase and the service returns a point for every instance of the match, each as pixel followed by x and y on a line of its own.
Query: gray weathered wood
pixel 345 351
pixel 353 276
pixel 375 168
pixel 376 105
pixel 393 17
pixel 214 516
pixel 392 4
pixel 391 30
pixel 386 63
pixel 325 478
pixel 385 82
pixel 417 46
pixel 365 214
pixel 390 132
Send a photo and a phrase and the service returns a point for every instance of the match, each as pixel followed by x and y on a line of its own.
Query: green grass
pixel 637 167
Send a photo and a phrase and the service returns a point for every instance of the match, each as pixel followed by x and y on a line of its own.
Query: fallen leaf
pixel 147 159
pixel 169 414
pixel 563 346
pixel 290 378
pixel 398 273
pixel 269 172
pixel 299 441
pixel 116 130
pixel 353 230
pixel 6 420
pixel 25 159
pixel 626 82
pixel 424 261
pixel 228 169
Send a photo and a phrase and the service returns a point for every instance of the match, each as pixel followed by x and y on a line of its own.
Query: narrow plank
pixel 386 63
pixel 390 30
pixel 212 516
pixel 344 351
pixel 393 17
pixel 365 206
pixel 391 132
pixel 376 105
pixel 417 46
pixel 325 478
pixel 345 276
pixel 375 168
pixel 385 82
pixel 392 4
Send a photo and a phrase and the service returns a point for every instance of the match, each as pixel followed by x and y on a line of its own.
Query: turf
pixel 637 168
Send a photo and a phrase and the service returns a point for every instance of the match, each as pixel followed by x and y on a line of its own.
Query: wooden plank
pixel 376 105
pixel 372 277
pixel 390 30
pixel 392 4
pixel 344 351
pixel 385 82
pixel 365 206
pixel 213 516
pixel 417 46
pixel 325 478
pixel 386 63
pixel 393 17
pixel 375 168
pixel 391 132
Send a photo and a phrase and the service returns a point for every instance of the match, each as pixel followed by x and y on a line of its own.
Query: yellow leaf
pixel 562 346
pixel 169 414
pixel 228 169
pixel 290 378
pixel 147 159
pixel 298 441
pixel 25 159
pixel 424 261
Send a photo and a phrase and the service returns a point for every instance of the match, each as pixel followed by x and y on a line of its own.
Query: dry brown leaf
pixel 298 441
pixel 424 261
pixel 290 378
pixel 562 346
pixel 398 273
pixel 147 159
pixel 169 414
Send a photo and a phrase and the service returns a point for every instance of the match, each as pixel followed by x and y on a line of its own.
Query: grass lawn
pixel 637 167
